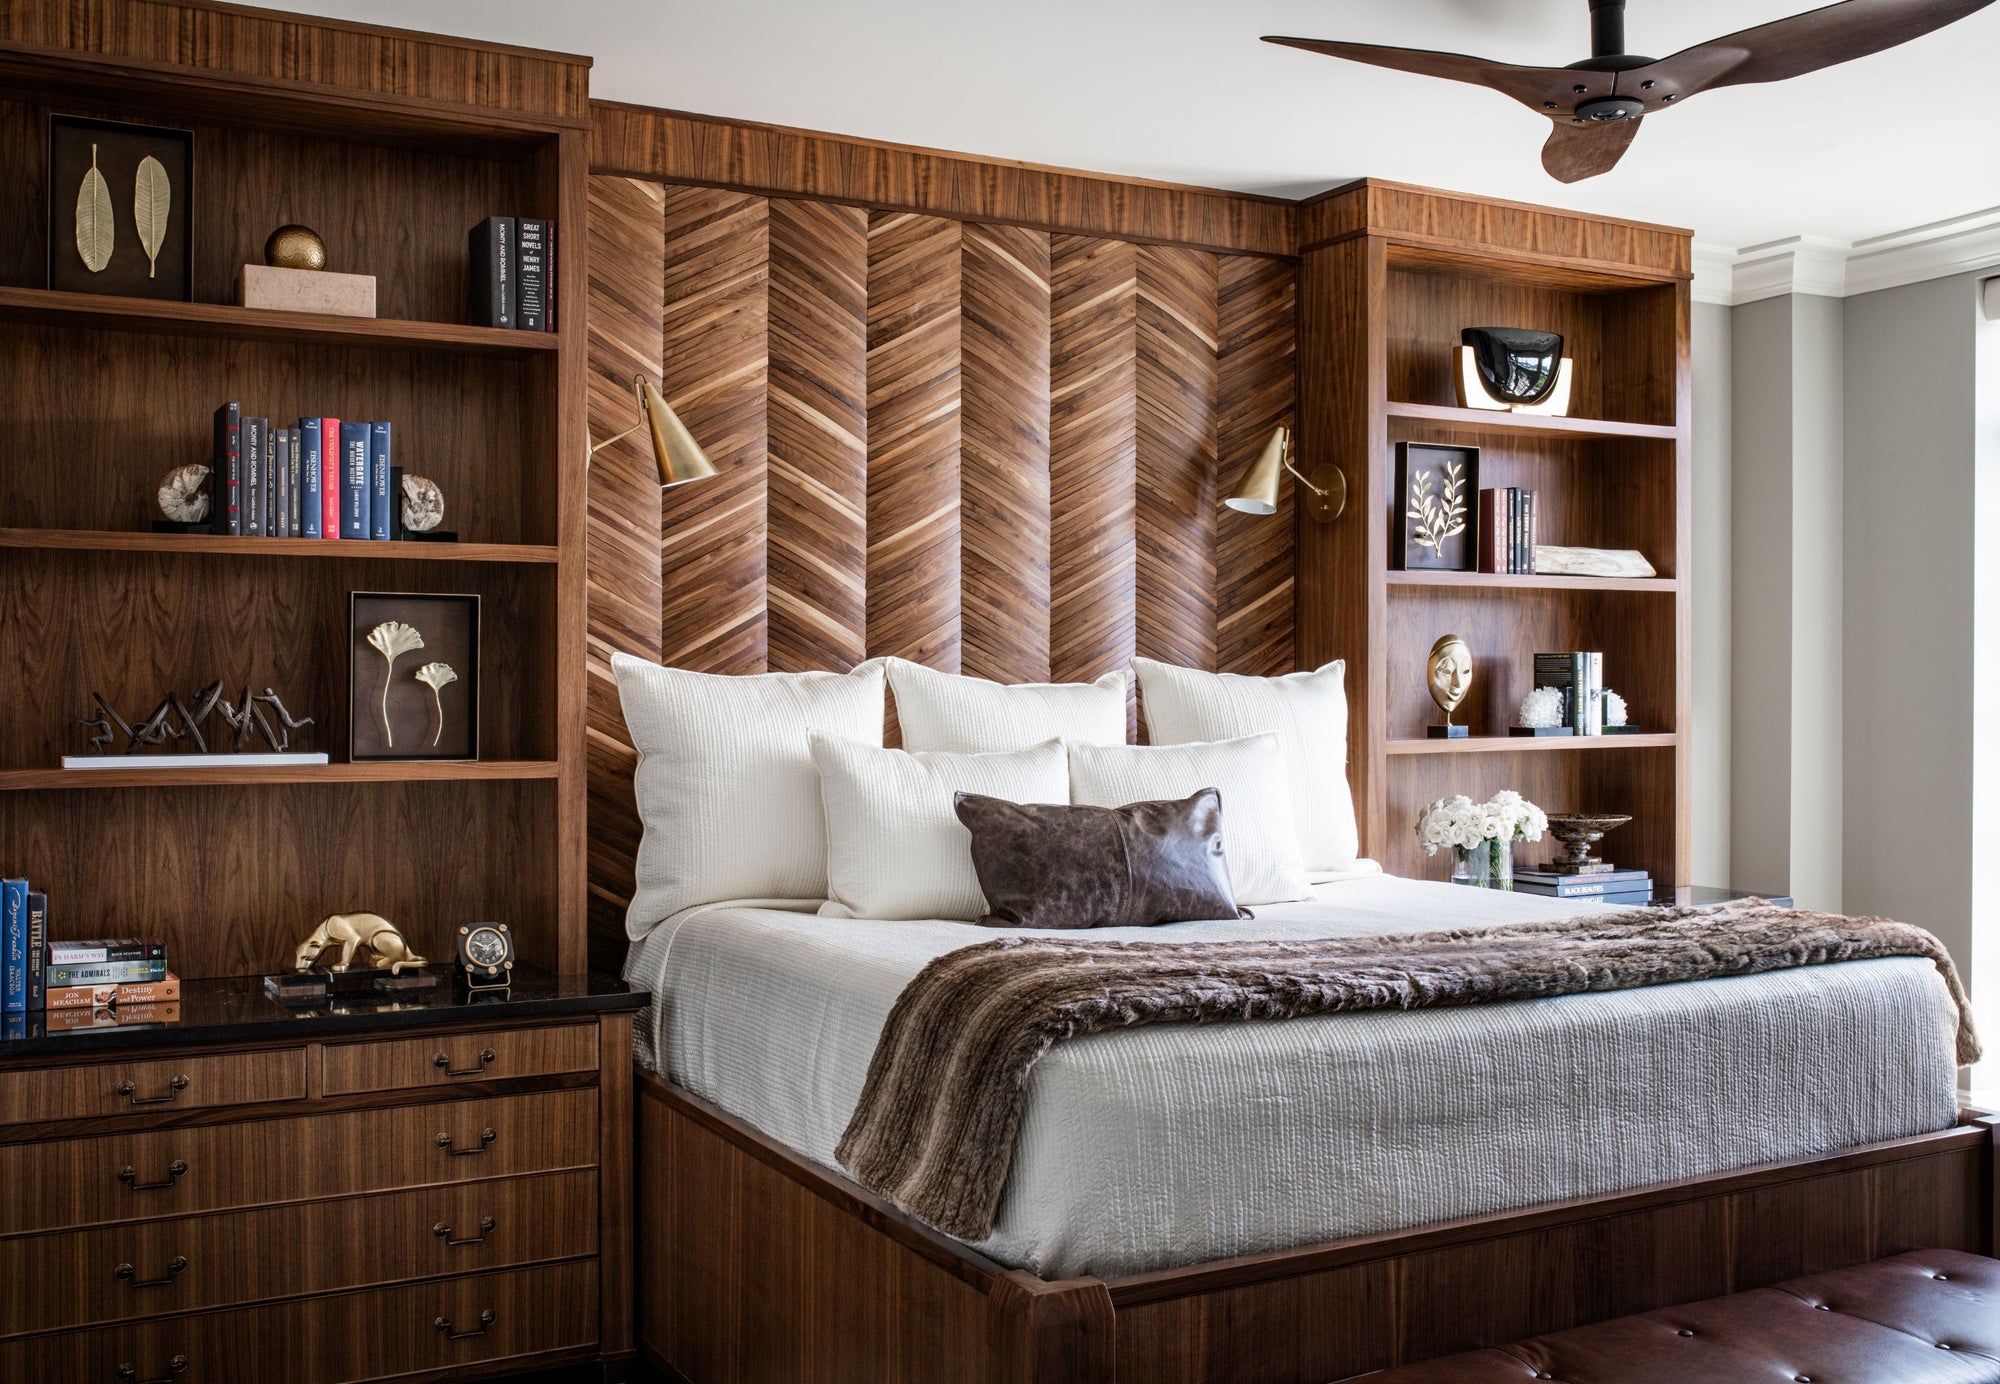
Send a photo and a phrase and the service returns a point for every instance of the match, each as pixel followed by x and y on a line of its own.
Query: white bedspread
pixel 1156 1147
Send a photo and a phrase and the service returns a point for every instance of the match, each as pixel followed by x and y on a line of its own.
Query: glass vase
pixel 1488 865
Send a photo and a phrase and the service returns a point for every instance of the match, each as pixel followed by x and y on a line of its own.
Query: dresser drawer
pixel 149 1268
pixel 165 1083
pixel 331 1340
pixel 171 1172
pixel 398 1064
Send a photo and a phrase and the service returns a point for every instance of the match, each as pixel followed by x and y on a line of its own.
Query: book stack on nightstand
pixel 1627 888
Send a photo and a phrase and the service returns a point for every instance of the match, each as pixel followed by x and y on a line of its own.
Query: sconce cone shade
pixel 678 456
pixel 1258 494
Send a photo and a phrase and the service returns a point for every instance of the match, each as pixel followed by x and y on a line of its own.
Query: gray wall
pixel 1709 587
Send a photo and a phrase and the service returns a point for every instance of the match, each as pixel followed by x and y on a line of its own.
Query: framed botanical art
pixel 413 676
pixel 1437 489
pixel 120 202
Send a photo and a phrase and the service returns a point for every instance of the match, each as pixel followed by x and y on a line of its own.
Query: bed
pixel 1180 1195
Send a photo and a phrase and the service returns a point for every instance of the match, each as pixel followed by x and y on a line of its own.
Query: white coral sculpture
pixel 435 676
pixel 392 639
pixel 1542 709
pixel 1439 517
pixel 1614 708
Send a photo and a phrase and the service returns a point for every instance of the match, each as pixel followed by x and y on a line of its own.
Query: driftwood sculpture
pixel 351 932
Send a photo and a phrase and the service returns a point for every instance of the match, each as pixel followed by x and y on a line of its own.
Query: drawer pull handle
pixel 174 1088
pixel 486 1137
pixel 177 1365
pixel 443 1063
pixel 176 1266
pixel 443 1232
pixel 486 1320
pixel 175 1171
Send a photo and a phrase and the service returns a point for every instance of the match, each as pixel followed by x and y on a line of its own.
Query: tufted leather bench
pixel 1931 1317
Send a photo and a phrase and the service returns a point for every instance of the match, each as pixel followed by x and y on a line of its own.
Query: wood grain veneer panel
pixel 1175 502
pixel 914 351
pixel 677 147
pixel 716 369
pixel 1004 465
pixel 818 420
pixel 1093 454
pixel 1256 390
pixel 626 310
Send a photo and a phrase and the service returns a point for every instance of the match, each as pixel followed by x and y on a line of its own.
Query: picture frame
pixel 1435 526
pixel 393 711
pixel 152 262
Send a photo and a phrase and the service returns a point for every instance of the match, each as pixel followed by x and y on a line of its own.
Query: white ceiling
pixel 1181 90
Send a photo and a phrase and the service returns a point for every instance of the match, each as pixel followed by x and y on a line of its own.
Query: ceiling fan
pixel 1596 104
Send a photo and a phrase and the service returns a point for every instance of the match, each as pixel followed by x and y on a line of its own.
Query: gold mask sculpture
pixel 351 932
pixel 1449 672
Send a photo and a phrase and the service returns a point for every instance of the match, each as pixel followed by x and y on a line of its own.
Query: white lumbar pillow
pixel 947 711
pixel 1308 714
pixel 895 848
pixel 1257 833
pixel 726 785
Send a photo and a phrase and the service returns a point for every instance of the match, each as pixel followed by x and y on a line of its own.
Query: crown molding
pixel 1841 269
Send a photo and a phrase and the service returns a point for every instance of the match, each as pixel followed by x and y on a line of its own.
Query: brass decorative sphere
pixel 295 247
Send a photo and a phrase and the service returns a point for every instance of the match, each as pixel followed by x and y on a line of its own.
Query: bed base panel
pixel 757 1266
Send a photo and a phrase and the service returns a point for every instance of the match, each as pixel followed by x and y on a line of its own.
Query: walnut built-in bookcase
pixel 232 866
pixel 1389 275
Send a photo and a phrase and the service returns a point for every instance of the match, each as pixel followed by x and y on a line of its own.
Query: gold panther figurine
pixel 386 948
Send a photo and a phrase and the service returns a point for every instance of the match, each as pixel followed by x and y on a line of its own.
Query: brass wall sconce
pixel 1325 490
pixel 675 451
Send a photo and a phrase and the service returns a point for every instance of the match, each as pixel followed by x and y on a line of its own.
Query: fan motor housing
pixel 1609 109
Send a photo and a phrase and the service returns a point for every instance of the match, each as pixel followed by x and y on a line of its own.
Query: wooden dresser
pixel 414 1189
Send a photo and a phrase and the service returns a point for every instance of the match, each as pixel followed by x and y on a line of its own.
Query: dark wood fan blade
pixel 1575 152
pixel 1544 89
pixel 1793 47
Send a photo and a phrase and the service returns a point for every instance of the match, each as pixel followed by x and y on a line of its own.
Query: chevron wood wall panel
pixel 1093 454
pixel 817 563
pixel 715 355
pixel 914 424
pixel 1255 392
pixel 1004 454
pixel 622 543
pixel 1175 499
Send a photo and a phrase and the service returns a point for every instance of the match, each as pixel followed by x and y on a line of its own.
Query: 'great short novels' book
pixel 532 260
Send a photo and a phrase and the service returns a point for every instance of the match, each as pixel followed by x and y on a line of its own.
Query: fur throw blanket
pixel 935 1126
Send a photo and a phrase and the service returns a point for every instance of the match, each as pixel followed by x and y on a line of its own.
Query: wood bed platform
pixel 758 1265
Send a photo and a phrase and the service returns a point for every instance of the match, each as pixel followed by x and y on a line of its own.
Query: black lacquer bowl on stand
pixel 1517 366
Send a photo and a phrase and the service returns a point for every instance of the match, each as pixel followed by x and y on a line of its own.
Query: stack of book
pixel 324 478
pixel 24 927
pixel 1580 679
pixel 1624 888
pixel 1507 531
pixel 514 273
pixel 121 973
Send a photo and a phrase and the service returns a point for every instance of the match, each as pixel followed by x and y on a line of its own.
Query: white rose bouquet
pixel 1483 834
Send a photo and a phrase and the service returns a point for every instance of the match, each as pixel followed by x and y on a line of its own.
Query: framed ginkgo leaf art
pixel 413 676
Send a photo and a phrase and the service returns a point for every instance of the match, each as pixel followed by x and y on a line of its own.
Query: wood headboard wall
pixel 995 446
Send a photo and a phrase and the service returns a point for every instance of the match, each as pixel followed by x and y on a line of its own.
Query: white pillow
pixel 725 783
pixel 895 848
pixel 946 711
pixel 1308 714
pixel 1257 832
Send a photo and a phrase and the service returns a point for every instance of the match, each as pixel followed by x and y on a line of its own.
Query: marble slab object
pixel 1592 562
pixel 307 290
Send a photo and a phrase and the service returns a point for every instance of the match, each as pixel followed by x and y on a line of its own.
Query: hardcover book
pixel 329 477
pixel 495 293
pixel 107 973
pixel 274 524
pixel 13 944
pixel 38 934
pixel 378 480
pixel 164 991
pixel 97 949
pixel 1589 889
pixel 253 476
pixel 281 485
pixel 354 480
pixel 295 506
pixel 532 260
pixel 130 1016
pixel 225 484
pixel 1492 531
pixel 311 464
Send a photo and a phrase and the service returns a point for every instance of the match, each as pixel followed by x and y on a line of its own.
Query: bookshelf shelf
pixel 401 771
pixel 1502 581
pixel 215 545
pixel 1523 744
pixel 1446 418
pixel 47 307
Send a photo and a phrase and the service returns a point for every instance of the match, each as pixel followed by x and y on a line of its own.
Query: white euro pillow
pixel 895 848
pixel 1258 837
pixel 948 711
pixel 726 786
pixel 1307 712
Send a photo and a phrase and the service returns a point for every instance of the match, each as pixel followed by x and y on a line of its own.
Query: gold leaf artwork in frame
pixel 95 233
pixel 152 203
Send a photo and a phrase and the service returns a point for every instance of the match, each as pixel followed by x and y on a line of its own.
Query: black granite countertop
pixel 234 1009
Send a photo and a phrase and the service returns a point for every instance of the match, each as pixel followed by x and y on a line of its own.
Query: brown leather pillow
pixel 1044 866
